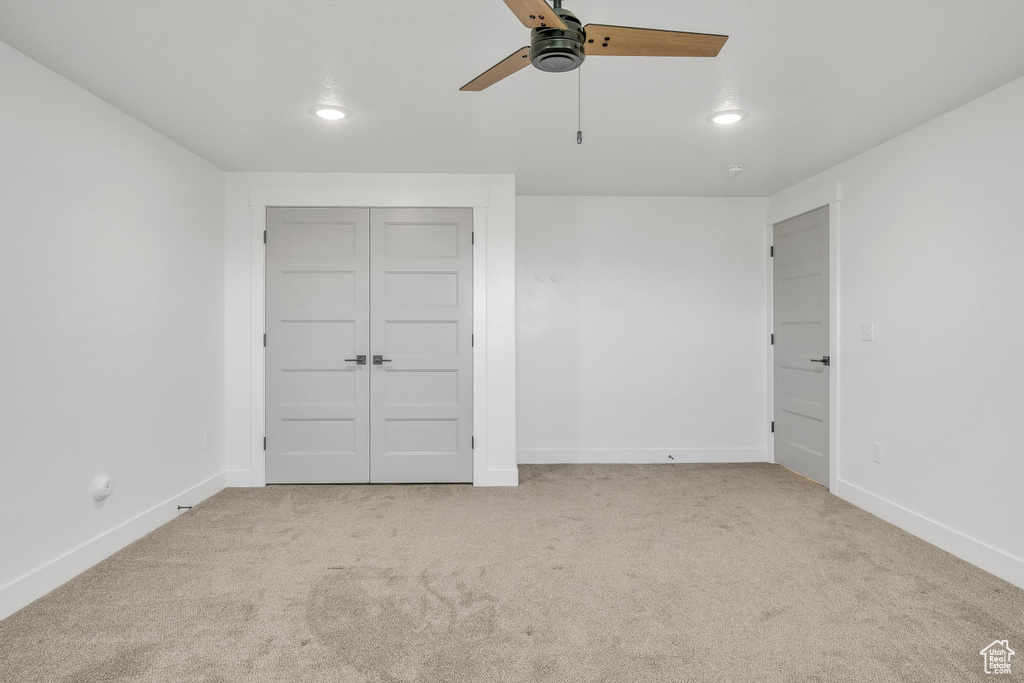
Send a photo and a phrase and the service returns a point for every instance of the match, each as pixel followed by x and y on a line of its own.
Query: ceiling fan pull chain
pixel 579 101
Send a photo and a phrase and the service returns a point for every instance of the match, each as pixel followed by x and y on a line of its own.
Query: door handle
pixel 380 360
pixel 358 360
pixel 824 360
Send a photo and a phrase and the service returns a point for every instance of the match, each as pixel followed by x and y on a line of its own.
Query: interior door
pixel 318 314
pixel 802 364
pixel 421 403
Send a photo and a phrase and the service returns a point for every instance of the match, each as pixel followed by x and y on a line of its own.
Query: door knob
pixel 380 360
pixel 358 360
pixel 824 360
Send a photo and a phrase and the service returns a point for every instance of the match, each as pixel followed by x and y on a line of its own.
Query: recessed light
pixel 331 112
pixel 724 118
pixel 734 168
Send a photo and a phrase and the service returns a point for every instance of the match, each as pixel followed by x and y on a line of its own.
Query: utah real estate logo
pixel 997 657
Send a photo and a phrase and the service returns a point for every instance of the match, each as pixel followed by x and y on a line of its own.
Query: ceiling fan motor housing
pixel 552 49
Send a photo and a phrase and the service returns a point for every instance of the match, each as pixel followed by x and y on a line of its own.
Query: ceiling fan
pixel 559 42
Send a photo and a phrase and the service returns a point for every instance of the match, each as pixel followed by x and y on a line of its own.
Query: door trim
pixel 491 467
pixel 826 194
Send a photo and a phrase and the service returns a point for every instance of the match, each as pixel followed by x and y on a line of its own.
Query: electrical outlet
pixel 876 452
pixel 207 440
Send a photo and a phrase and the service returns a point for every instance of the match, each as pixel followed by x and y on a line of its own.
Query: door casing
pixel 492 198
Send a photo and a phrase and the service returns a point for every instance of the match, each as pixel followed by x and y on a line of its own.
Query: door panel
pixel 318 303
pixel 421 289
pixel 801 314
pixel 420 338
pixel 421 322
pixel 420 387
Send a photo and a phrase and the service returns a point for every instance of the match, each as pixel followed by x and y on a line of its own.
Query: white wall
pixel 931 243
pixel 494 361
pixel 641 329
pixel 111 277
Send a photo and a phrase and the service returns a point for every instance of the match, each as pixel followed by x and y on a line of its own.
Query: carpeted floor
pixel 584 573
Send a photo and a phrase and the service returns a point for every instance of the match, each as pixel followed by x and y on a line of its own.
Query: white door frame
pixel 827 194
pixel 476 198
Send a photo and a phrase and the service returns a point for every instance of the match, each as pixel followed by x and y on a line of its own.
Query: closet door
pixel 421 398
pixel 318 310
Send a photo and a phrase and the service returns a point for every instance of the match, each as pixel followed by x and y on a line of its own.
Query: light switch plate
pixel 876 452
pixel 867 332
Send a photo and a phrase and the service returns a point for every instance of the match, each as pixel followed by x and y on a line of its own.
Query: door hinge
pixel 773 426
pixel 264 341
pixel 773 339
pixel 472 442
pixel 264 237
pixel 472 340
pixel 264 443
pixel 771 251
pixel 472 238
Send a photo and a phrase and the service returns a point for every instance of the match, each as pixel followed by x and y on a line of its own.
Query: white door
pixel 338 298
pixel 801 320
pixel 421 409
pixel 318 324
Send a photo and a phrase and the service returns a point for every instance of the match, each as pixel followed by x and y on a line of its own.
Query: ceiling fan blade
pixel 535 13
pixel 623 41
pixel 503 69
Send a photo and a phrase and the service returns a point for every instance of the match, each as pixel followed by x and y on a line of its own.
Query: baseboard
pixel 638 456
pixel 506 477
pixel 37 583
pixel 238 478
pixel 992 560
pixel 503 477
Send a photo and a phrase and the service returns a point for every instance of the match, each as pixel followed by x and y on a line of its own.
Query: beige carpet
pixel 584 573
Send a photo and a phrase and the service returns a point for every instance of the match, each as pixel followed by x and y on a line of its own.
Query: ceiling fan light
pixel 725 118
pixel 556 63
pixel 331 112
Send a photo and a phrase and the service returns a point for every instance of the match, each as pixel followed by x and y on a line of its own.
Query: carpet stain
pixel 392 625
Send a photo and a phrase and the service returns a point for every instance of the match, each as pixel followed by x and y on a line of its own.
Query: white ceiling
pixel 234 81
